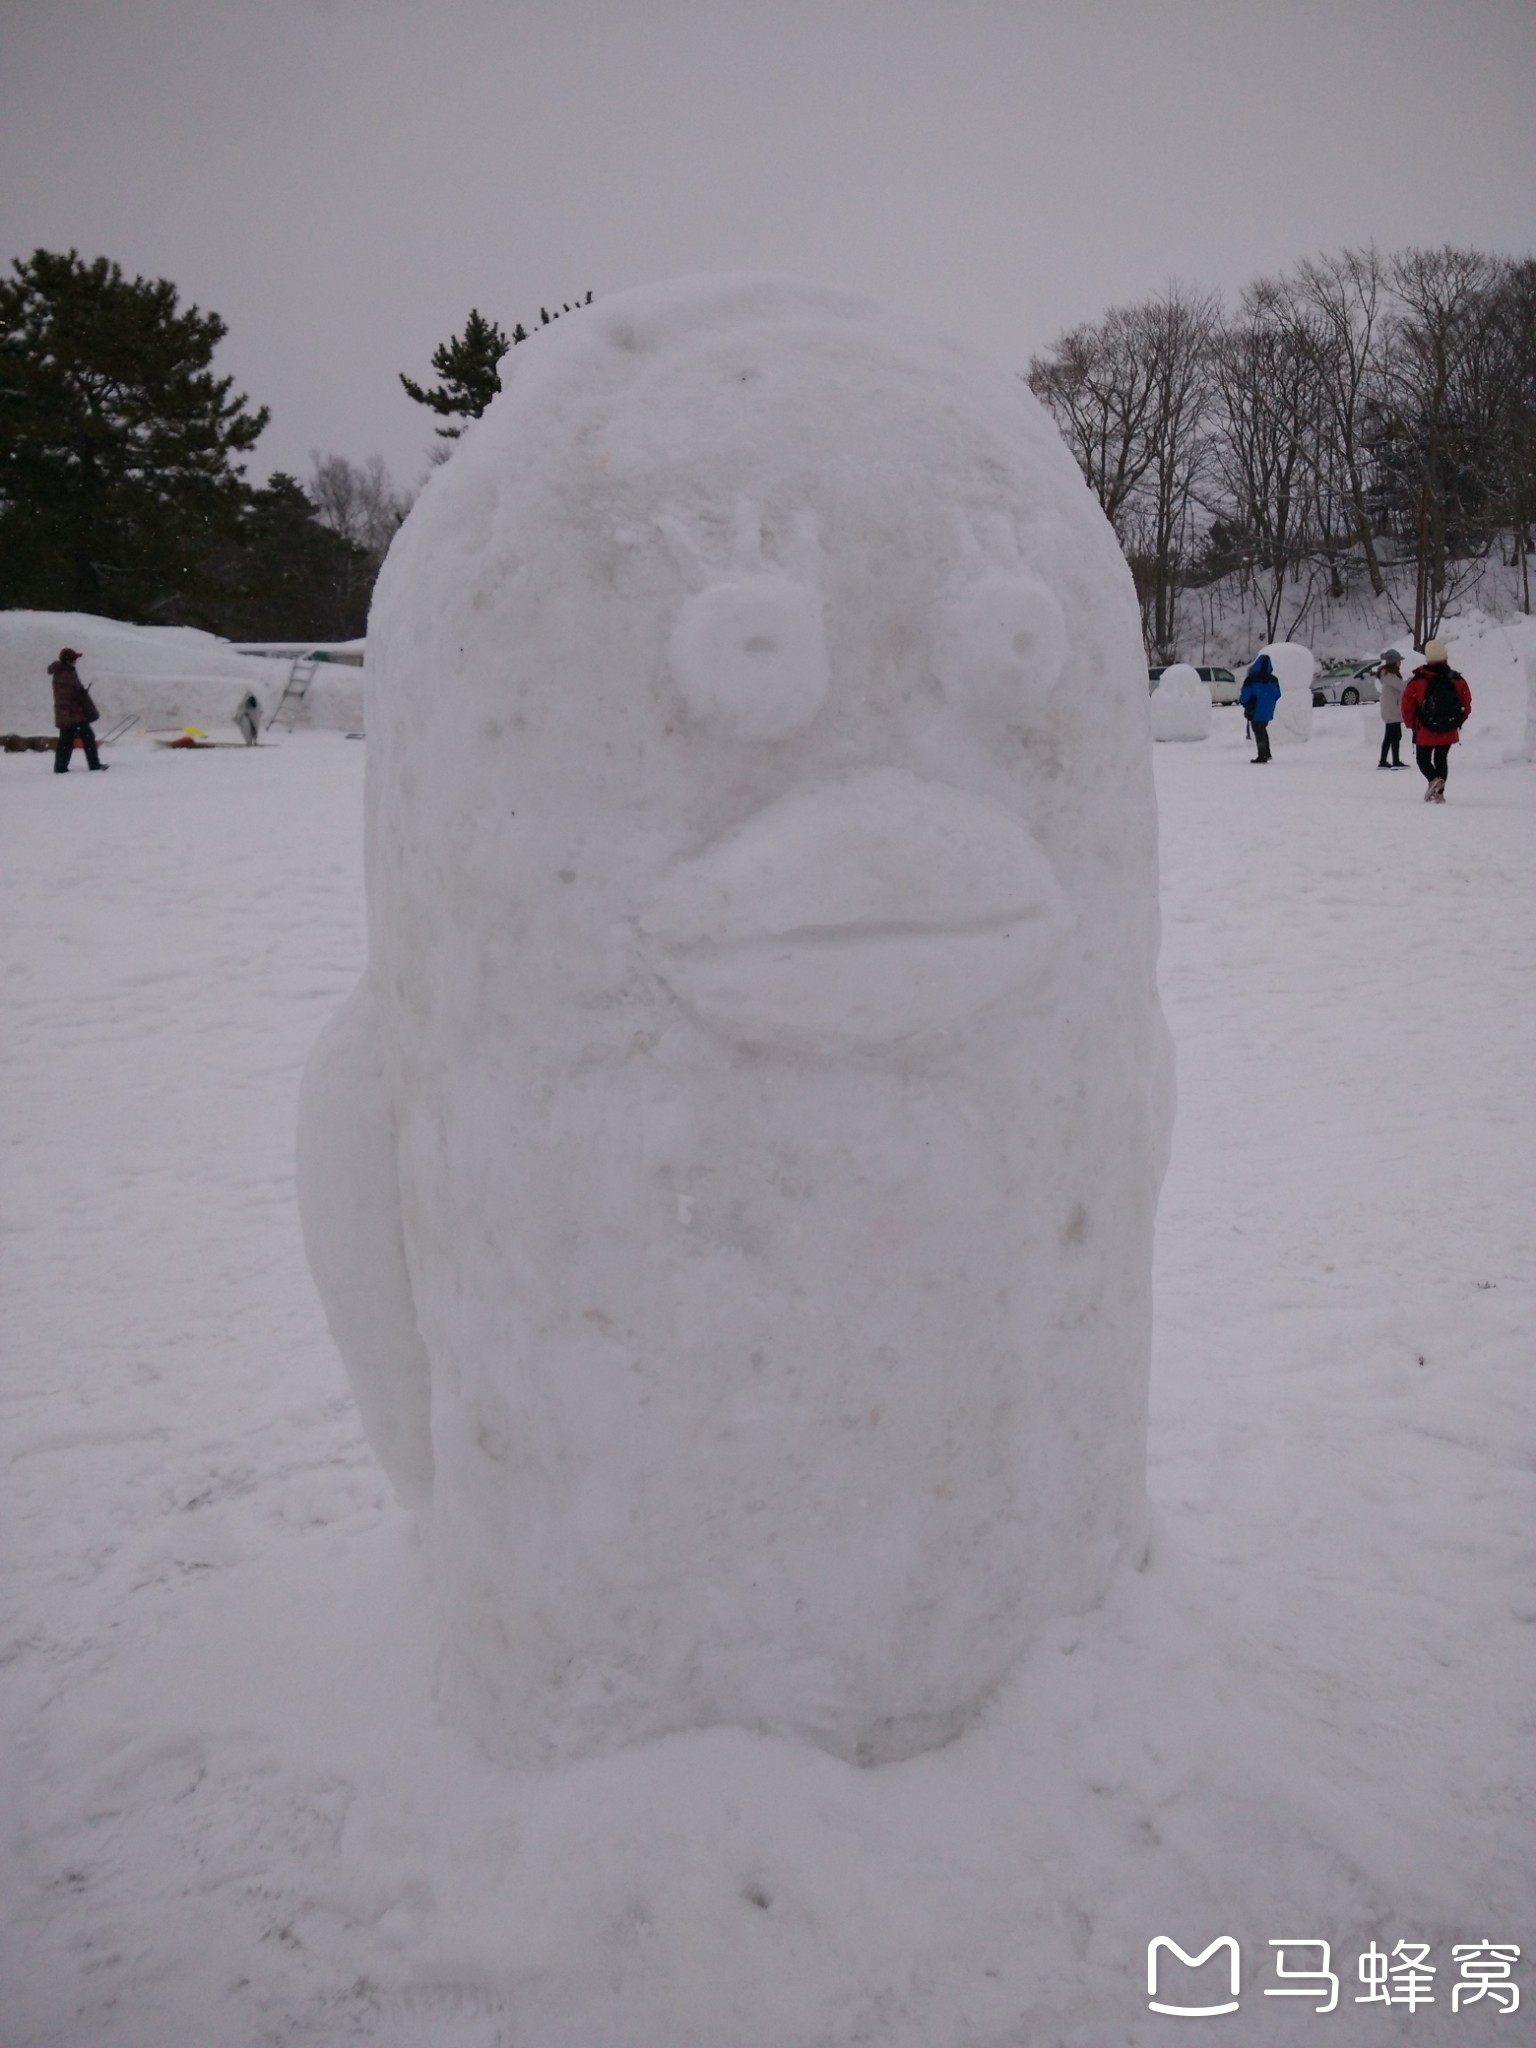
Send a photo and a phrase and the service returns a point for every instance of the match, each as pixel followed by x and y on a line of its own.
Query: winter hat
pixel 1391 659
pixel 1435 650
pixel 69 654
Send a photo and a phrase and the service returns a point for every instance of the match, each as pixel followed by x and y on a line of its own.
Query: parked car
pixel 1221 682
pixel 1347 683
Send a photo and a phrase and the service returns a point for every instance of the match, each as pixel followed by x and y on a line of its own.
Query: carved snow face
pixel 834 695
pixel 762 918
pixel 878 905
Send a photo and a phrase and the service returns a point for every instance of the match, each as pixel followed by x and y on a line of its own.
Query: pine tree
pixel 468 366
pixel 286 575
pixel 118 479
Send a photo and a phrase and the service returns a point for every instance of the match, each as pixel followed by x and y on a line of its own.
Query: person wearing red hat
pixel 74 713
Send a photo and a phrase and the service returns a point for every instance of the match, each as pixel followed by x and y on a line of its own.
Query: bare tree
pixel 1130 394
pixel 357 500
pixel 1437 424
pixel 1358 411
pixel 1175 333
pixel 1514 334
pixel 1097 384
pixel 1341 301
pixel 1265 445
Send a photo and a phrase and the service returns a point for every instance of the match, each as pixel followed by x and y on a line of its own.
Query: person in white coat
pixel 1389 679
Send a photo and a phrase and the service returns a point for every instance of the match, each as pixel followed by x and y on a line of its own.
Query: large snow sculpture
pixel 1181 704
pixel 731 1185
pixel 1294 669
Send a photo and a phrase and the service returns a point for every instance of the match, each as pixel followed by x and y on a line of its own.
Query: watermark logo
pixel 1303 1966
pixel 1320 1983
pixel 1192 2012
pixel 1404 1978
pixel 1487 1971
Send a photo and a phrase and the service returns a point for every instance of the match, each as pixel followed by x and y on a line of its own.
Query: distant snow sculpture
pixel 1181 704
pixel 1294 668
pixel 731 1185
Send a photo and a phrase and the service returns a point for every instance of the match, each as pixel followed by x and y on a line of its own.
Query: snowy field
pixel 232 1818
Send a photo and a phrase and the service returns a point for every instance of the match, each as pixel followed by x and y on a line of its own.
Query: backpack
pixel 1440 708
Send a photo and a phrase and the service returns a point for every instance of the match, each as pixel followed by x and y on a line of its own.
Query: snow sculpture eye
pixel 1001 642
pixel 749 652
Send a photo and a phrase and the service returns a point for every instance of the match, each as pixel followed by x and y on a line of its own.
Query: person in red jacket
pixel 1436 704
pixel 74 713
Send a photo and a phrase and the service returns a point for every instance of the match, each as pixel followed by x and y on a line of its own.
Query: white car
pixel 1347 682
pixel 1221 682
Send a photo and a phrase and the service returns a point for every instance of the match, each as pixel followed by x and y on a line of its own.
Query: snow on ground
pixel 232 1818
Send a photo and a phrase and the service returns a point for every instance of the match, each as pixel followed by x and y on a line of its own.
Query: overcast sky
pixel 343 179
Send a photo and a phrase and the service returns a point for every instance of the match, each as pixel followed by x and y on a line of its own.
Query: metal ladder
pixel 300 676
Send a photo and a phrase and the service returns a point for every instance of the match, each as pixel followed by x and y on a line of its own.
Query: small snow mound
pixel 1294 667
pixel 1181 705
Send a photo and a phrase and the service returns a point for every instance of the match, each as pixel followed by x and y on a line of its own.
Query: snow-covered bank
pixel 161 675
pixel 233 1817
pixel 1218 622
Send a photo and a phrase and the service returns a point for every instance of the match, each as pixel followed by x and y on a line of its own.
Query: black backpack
pixel 1440 707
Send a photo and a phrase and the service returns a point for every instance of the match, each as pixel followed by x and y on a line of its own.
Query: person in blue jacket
pixel 1259 696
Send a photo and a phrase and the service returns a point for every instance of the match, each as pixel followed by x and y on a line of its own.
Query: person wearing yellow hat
pixel 1436 704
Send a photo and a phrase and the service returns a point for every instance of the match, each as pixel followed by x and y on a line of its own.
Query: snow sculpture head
pixel 1181 704
pixel 732 1184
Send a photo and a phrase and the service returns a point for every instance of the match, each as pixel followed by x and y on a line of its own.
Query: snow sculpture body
pixel 731 1185
pixel 1294 669
pixel 1181 704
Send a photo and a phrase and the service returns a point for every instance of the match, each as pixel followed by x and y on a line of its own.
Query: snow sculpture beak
pixel 874 908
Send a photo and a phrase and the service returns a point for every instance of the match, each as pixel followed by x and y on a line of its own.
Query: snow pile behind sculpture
pixel 731 1185
pixel 1181 704
pixel 160 675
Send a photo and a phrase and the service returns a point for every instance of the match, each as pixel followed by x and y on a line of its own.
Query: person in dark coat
pixel 74 713
pixel 1259 696
pixel 1436 704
